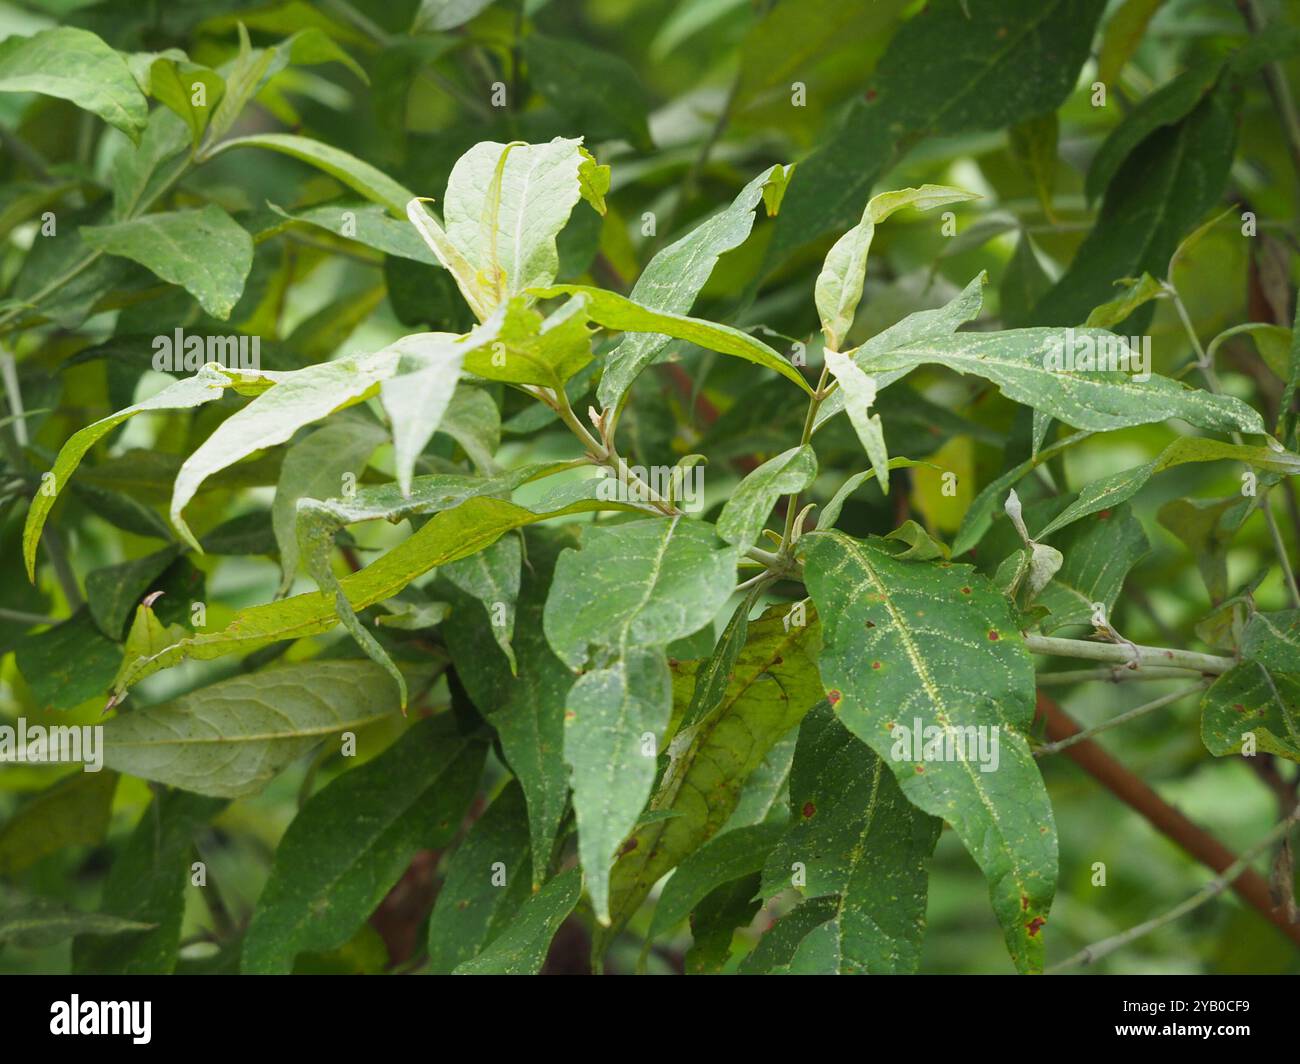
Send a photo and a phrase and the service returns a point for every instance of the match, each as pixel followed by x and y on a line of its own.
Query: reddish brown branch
pixel 1250 886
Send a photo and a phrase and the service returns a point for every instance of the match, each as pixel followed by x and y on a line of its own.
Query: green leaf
pixel 73 812
pixel 715 920
pixel 839 285
pixel 486 881
pixel 473 421
pixel 1169 104
pixel 673 278
pixel 831 511
pixel 112 592
pixel 714 673
pixel 855 837
pixel 174 84
pixel 1119 487
pixel 205 251
pixel 773 684
pixel 475 289
pixel 75 65
pixel 1137 292
pixel 1123 34
pixel 516 344
pixel 1033 143
pixel 353 840
pixel 366 223
pixel 597 92
pixel 1026 365
pixel 529 718
pixel 231 738
pixel 314 467
pixel 1273 640
pixel 1017 59
pixel 359 176
pixel 746 511
pixel 1023 284
pixel 1251 699
pixel 143 171
pixel 720 860
pixel 42 922
pixel 456 533
pixel 1098 557
pixel 614 605
pixel 1164 187
pixel 147 885
pixel 492 576
pixel 934 644
pixel 617 312
pixel 802 942
pixel 436 16
pixel 521 949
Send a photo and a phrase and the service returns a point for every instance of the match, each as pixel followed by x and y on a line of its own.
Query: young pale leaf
pixel 147 885
pixel 208 384
pixel 353 840
pixel 437 16
pixel 913 645
pixel 75 65
pixel 859 392
pixel 839 285
pixel 231 738
pixel 1136 293
pixel 521 948
pixel 855 837
pixel 746 511
pixel 476 292
pixel 617 312
pixel 205 251
pixel 505 205
pixel 773 684
pixel 417 394
pixel 487 879
pixel 314 467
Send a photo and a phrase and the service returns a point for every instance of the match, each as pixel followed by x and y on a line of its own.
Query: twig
pixel 1249 885
pixel 1122 655
pixel 1212 889
pixel 1116 674
pixel 1115 722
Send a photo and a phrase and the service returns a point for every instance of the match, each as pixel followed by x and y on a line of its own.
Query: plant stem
pixel 1212 889
pixel 1116 674
pixel 1115 722
pixel 1208 664
pixel 1275 81
pixel 23 617
pixel 810 418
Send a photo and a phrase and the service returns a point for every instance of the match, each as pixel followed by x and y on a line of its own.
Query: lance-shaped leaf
pixel 477 294
pixel 720 860
pixel 112 592
pixel 359 176
pixel 366 223
pixel 714 673
pixel 1110 491
pixel 854 837
pixel 918 327
pixel 529 715
pixel 454 534
pixel 147 885
pixel 487 879
pixel 416 395
pixel 1098 557
pixel 204 250
pixel 75 65
pixel 774 683
pixel 913 645
pixel 505 205
pixel 859 392
pixel 745 513
pixel 492 577
pixel 41 922
pixel 231 738
pixel 521 948
pixel 1030 366
pixel 1273 639
pixel 673 278
pixel 314 467
pixel 208 384
pixel 617 312
pixel 75 811
pixel 839 285
pixel 802 942
pixel 615 604
pixel 353 840
pixel 294 399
